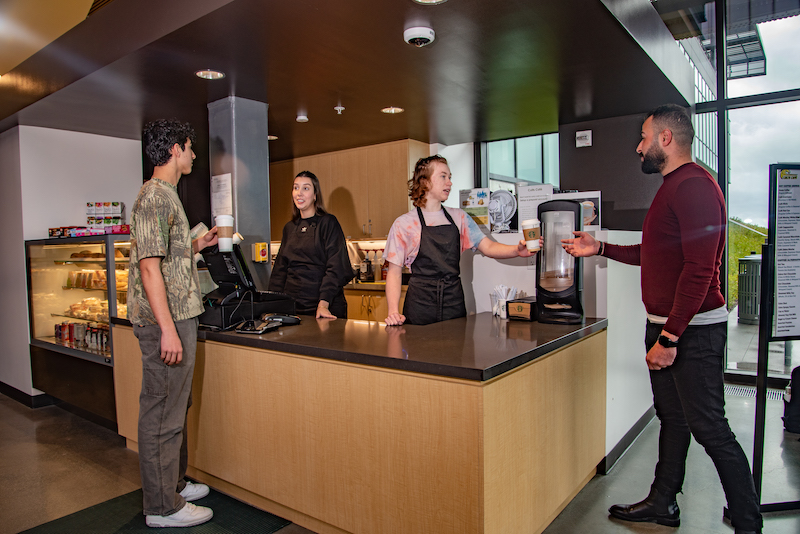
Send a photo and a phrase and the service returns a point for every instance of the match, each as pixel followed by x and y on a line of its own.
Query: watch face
pixel 664 341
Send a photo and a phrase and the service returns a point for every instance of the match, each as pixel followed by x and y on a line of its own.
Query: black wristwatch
pixel 664 341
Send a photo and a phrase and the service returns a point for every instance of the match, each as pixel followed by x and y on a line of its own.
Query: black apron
pixel 434 290
pixel 304 277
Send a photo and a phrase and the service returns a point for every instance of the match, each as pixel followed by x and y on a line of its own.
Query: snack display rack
pixel 74 286
pixel 69 283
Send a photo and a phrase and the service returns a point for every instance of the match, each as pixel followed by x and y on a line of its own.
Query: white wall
pixel 15 363
pixel 63 170
pixel 480 274
pixel 461 160
pixel 628 393
pixel 48 176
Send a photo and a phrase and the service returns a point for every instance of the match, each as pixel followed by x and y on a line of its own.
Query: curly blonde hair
pixel 419 183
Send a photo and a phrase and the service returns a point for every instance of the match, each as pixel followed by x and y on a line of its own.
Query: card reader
pixel 256 327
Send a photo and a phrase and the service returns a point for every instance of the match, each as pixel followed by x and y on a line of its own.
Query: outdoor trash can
pixel 749 288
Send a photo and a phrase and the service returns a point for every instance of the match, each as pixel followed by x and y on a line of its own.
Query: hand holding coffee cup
pixel 531 231
pixel 225 232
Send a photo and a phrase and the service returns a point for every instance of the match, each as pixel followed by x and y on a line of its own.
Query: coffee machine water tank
pixel 558 275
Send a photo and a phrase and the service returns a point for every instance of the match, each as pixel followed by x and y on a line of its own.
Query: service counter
pixel 475 425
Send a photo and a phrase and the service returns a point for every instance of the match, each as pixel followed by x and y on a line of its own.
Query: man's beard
pixel 654 160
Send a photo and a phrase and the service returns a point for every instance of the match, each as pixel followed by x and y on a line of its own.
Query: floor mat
pixel 124 514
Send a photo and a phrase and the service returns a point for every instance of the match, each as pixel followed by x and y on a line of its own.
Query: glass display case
pixel 74 286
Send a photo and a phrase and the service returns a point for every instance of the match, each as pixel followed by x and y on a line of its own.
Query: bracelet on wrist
pixel 602 248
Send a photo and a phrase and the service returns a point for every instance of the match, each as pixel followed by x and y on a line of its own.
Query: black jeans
pixel 689 400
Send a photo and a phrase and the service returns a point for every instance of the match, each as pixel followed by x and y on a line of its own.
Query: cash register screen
pixel 228 268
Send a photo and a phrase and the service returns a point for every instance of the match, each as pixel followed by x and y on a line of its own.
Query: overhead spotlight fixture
pixel 339 109
pixel 302 118
pixel 209 74
pixel 430 2
pixel 272 137
pixel 392 110
pixel 419 36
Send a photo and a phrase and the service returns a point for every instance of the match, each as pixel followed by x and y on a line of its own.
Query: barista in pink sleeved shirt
pixel 429 240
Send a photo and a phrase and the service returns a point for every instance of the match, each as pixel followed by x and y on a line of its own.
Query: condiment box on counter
pixel 522 309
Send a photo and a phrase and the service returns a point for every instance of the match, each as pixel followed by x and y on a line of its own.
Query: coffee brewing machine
pixel 559 281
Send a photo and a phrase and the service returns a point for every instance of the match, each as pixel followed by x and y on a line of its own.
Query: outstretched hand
pixel 581 246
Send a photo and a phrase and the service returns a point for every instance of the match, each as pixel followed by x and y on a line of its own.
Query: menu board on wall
pixel 787 253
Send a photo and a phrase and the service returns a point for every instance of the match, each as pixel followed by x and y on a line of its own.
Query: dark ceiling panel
pixel 496 70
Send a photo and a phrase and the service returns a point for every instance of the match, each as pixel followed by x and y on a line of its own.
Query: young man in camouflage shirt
pixel 163 305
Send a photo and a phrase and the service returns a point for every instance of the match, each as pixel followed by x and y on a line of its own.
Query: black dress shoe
pixel 740 531
pixel 656 508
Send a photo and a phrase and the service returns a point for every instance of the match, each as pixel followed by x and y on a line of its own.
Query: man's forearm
pixel 154 288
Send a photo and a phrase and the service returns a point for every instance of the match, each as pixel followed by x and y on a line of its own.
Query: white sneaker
pixel 188 516
pixel 193 492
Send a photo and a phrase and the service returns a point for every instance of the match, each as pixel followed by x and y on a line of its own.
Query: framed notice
pixel 787 249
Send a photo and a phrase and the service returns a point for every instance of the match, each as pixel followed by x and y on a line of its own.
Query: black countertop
pixel 478 347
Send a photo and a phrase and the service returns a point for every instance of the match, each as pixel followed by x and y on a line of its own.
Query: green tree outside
pixel 743 239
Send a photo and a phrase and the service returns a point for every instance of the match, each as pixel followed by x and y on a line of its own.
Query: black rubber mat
pixel 124 514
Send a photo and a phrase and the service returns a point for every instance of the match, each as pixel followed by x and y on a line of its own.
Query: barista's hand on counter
pixel 323 312
pixel 581 246
pixel 395 319
pixel 208 240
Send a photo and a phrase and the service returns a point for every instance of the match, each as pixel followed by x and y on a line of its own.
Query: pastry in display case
pixel 75 285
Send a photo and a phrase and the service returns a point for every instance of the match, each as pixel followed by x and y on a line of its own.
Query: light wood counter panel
pixel 342 447
pixel 369 305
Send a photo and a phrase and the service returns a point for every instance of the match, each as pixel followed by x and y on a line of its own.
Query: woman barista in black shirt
pixel 312 265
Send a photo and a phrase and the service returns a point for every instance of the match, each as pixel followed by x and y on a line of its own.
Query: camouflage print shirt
pixel 159 228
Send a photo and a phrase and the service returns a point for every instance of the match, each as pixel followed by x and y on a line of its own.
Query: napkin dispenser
pixel 522 309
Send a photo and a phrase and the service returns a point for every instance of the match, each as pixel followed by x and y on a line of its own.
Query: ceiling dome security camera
pixel 419 36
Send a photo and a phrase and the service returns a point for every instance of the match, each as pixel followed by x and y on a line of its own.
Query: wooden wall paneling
pixel 281 177
pixel 355 304
pixel 349 183
pixel 416 151
pixel 388 198
pixel 357 447
pixel 552 414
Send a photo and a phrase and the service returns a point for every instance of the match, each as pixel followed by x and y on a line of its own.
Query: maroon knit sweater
pixel 683 238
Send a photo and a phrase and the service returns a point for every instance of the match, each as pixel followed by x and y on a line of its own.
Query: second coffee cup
pixel 225 232
pixel 531 230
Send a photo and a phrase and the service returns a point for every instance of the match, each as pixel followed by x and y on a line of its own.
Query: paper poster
pixel 591 206
pixel 476 203
pixel 221 195
pixel 787 254
pixel 530 196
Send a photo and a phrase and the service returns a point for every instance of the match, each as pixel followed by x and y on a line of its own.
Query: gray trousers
pixel 165 398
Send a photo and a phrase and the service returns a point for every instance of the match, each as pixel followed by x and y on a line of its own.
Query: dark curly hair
pixel 161 135
pixel 419 183
pixel 319 204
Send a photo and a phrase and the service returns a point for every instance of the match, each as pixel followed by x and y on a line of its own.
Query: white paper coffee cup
pixel 224 232
pixel 531 231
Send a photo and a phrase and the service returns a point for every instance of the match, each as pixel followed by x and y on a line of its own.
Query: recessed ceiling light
pixel 430 2
pixel 209 74
pixel 391 110
pixel 302 118
pixel 272 137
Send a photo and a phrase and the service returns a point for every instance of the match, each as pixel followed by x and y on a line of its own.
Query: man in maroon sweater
pixel 683 238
